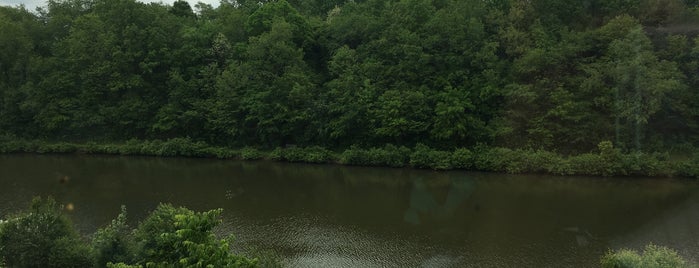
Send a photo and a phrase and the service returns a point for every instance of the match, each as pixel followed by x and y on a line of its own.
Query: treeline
pixel 43 236
pixel 554 75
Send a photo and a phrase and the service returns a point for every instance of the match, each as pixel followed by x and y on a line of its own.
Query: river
pixel 341 216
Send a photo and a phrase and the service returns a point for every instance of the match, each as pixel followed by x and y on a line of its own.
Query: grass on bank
pixel 605 161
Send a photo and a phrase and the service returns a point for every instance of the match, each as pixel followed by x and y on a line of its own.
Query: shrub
pixel 61 147
pixel 182 147
pixel 180 237
pixel 114 243
pixel 390 155
pixel 609 162
pixel 90 147
pixel 462 158
pixel 425 157
pixel 355 156
pixel 122 265
pixel 544 161
pixel 132 147
pixel 220 152
pixel 492 159
pixel 293 154
pixel 621 259
pixel 42 237
pixel 248 153
pixel 277 154
pixel 644 164
pixel 170 237
pixel 315 154
pixel 529 161
pixel 584 164
pixel 265 257
pixel 111 149
pixel 689 168
pixel 155 148
pixel 421 156
pixel 652 257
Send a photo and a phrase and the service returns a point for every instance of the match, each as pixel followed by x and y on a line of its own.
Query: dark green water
pixel 337 216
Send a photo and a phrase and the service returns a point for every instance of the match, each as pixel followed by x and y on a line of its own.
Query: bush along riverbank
pixel 605 161
pixel 653 256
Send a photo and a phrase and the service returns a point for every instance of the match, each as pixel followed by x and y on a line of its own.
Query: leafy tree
pixel 640 82
pixel 114 243
pixel 180 237
pixel 182 8
pixel 42 237
pixel 270 93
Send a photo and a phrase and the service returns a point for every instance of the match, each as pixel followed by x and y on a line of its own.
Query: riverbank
pixel 605 161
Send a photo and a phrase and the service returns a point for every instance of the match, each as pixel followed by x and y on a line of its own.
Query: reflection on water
pixel 337 216
pixel 423 202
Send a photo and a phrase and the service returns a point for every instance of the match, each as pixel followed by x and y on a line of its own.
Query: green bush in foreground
pixel 169 237
pixel 114 244
pixel 42 237
pixel 652 257
pixel 173 236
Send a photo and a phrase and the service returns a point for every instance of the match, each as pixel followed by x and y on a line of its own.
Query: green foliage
pixel 170 237
pixel 390 155
pixel 277 154
pixel 294 154
pixel 180 237
pixel 355 156
pixel 315 154
pixel 248 153
pixel 122 265
pixel 606 161
pixel 425 157
pixel 621 259
pixel 168 148
pixel 530 161
pixel 690 168
pixel 462 158
pixel 114 243
pixel 526 86
pixel 182 147
pixel 584 163
pixel 42 237
pixel 491 159
pixel 652 257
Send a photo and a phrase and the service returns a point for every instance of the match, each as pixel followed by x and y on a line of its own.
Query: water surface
pixel 339 216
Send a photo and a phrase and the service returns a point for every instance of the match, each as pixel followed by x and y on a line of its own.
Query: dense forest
pixel 555 75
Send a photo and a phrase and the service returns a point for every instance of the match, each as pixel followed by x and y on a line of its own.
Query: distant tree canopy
pixel 558 75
